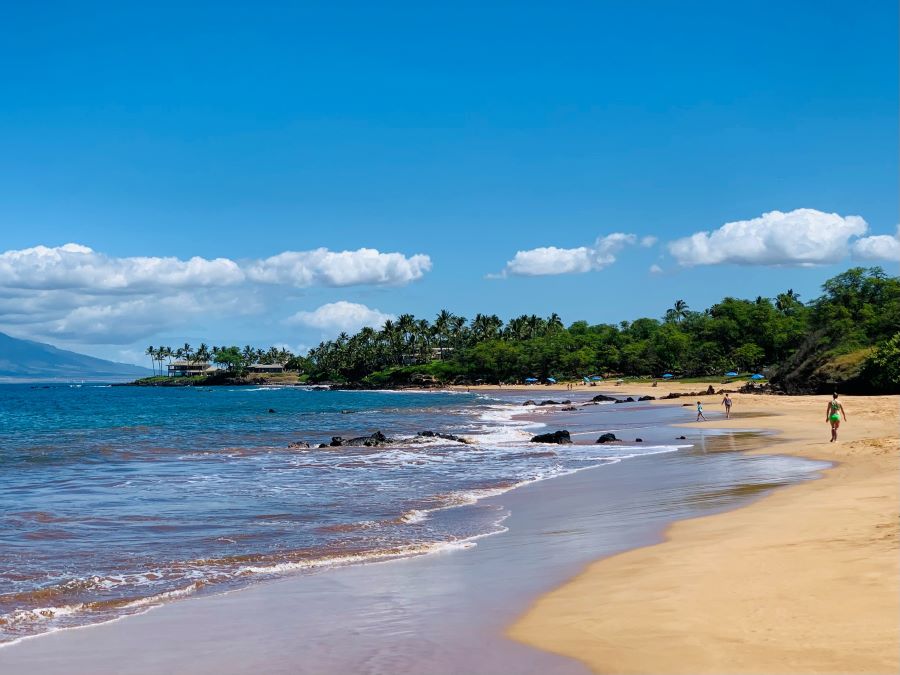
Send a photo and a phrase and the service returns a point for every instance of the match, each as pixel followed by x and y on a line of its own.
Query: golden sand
pixel 806 580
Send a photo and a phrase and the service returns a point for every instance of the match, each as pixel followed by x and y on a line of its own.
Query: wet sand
pixel 442 613
pixel 806 580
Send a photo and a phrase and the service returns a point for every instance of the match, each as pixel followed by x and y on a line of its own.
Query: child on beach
pixel 700 412
pixel 727 403
pixel 833 413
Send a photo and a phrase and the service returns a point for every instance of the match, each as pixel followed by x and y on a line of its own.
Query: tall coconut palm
pixel 151 352
pixel 680 310
pixel 442 327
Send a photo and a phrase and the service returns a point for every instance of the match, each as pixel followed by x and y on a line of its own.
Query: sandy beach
pixel 804 581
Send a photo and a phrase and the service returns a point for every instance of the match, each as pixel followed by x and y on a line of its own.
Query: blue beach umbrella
pixel 586 379
pixel 668 376
pixel 596 378
pixel 731 373
pixel 531 379
pixel 551 380
pixel 757 376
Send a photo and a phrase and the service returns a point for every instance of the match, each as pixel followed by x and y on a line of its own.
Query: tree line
pixel 857 315
pixel 232 359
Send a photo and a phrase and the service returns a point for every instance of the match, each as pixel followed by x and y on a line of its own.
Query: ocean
pixel 118 499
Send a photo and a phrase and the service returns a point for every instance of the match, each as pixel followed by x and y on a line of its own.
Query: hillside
pixel 28 360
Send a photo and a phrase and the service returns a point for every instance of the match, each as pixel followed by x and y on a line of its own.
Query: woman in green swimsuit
pixel 833 414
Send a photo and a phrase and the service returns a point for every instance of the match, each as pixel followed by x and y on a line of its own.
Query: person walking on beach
pixel 700 412
pixel 727 403
pixel 833 414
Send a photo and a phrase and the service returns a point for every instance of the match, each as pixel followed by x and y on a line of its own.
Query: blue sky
pixel 463 132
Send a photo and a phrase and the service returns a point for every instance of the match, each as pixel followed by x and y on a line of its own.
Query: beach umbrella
pixel 731 373
pixel 757 376
pixel 586 380
pixel 531 379
pixel 668 376
pixel 596 378
pixel 551 380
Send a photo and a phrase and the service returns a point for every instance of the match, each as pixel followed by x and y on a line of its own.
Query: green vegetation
pixel 848 336
pixel 233 360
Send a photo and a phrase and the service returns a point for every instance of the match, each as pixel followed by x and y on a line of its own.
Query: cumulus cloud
pixel 335 317
pixel 803 237
pixel 344 268
pixel 656 269
pixel 72 292
pixel 649 241
pixel 879 247
pixel 73 266
pixel 549 260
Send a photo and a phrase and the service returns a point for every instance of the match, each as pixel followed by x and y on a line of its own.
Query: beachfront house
pixel 188 368
pixel 266 368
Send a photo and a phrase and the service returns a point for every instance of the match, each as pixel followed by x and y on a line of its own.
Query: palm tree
pixel 202 354
pixel 680 309
pixel 151 352
pixel 442 327
pixel 554 323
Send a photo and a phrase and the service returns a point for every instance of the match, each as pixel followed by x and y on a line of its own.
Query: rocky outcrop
pixel 559 437
pixel 569 408
pixel 647 398
pixel 298 445
pixel 607 438
pixel 603 397
pixel 529 402
pixel 625 400
pixel 372 441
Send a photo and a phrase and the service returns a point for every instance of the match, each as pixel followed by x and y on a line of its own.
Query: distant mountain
pixel 27 360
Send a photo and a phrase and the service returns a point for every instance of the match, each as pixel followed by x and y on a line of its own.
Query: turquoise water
pixel 117 498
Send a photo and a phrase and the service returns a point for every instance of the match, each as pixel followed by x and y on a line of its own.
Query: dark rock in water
pixel 686 405
pixel 566 402
pixel 271 410
pixel 529 402
pixel 549 402
pixel 569 407
pixel 607 438
pixel 647 398
pixel 426 434
pixel 324 445
pixel 320 389
pixel 710 390
pixel 625 400
pixel 347 412
pixel 604 397
pixel 336 441
pixel 372 441
pixel 638 440
pixel 298 444
pixel 558 437
pixel 674 394
pixel 681 438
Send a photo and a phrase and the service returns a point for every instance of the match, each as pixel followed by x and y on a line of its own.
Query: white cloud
pixel 656 269
pixel 74 293
pixel 882 247
pixel 547 260
pixel 803 237
pixel 649 241
pixel 73 266
pixel 336 317
pixel 346 268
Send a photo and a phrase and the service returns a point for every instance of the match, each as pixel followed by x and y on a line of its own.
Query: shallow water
pixel 117 498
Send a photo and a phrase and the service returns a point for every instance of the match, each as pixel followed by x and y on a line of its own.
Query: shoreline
pixel 523 498
pixel 803 580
